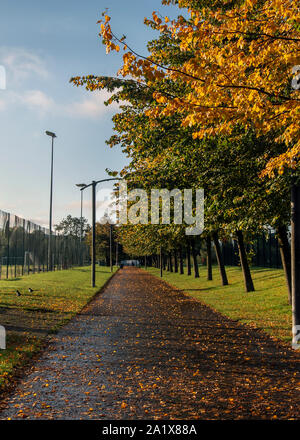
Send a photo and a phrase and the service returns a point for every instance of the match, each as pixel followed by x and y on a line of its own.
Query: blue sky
pixel 42 45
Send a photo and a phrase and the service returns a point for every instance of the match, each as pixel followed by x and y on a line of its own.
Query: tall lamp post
pixel 94 185
pixel 52 135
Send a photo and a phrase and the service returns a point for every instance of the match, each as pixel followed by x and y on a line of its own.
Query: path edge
pixel 19 372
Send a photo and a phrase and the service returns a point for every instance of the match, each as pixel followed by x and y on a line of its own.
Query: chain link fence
pixel 24 248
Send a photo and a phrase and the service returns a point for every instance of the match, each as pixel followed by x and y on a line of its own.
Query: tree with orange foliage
pixel 239 69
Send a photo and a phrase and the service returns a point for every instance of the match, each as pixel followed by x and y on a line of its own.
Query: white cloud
pixel 91 106
pixel 75 205
pixel 41 221
pixel 21 64
pixel 37 99
pixel 31 99
pixel 2 105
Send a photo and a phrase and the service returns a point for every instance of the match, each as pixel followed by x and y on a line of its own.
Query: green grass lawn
pixel 267 308
pixel 16 271
pixel 57 297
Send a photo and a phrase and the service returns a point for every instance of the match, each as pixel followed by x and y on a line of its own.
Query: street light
pixel 52 135
pixel 82 188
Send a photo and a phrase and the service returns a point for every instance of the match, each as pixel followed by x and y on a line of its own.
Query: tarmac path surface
pixel 143 350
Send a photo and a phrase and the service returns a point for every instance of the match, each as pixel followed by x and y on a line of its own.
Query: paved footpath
pixel 142 350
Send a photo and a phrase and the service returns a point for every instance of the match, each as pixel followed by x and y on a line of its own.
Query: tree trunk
pixel 244 263
pixel 175 261
pixel 295 260
pixel 188 258
pixel 220 259
pixel 195 262
pixel 164 262
pixel 171 263
pixel 285 253
pixel 181 261
pixel 209 259
pixel 161 262
pixel 145 262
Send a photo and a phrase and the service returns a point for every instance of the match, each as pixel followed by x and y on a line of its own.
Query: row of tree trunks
pixel 191 254
pixel 167 263
pixel 249 286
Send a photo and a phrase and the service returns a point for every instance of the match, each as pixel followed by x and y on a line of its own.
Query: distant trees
pixel 103 233
pixel 102 242
pixel 74 226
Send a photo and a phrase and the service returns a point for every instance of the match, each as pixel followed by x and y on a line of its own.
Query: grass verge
pixel 28 319
pixel 267 308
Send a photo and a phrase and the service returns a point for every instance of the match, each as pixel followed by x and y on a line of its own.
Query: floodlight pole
pixel 52 135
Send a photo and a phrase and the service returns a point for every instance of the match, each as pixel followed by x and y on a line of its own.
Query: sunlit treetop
pixel 240 70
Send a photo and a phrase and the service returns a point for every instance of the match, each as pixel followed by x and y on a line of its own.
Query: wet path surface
pixel 141 350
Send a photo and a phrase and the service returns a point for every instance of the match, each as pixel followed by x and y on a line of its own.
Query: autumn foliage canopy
pixel 237 69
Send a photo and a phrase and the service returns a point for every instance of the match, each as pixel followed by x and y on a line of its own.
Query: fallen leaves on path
pixel 163 356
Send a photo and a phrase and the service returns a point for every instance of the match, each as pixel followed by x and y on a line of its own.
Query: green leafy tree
pixel 73 226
